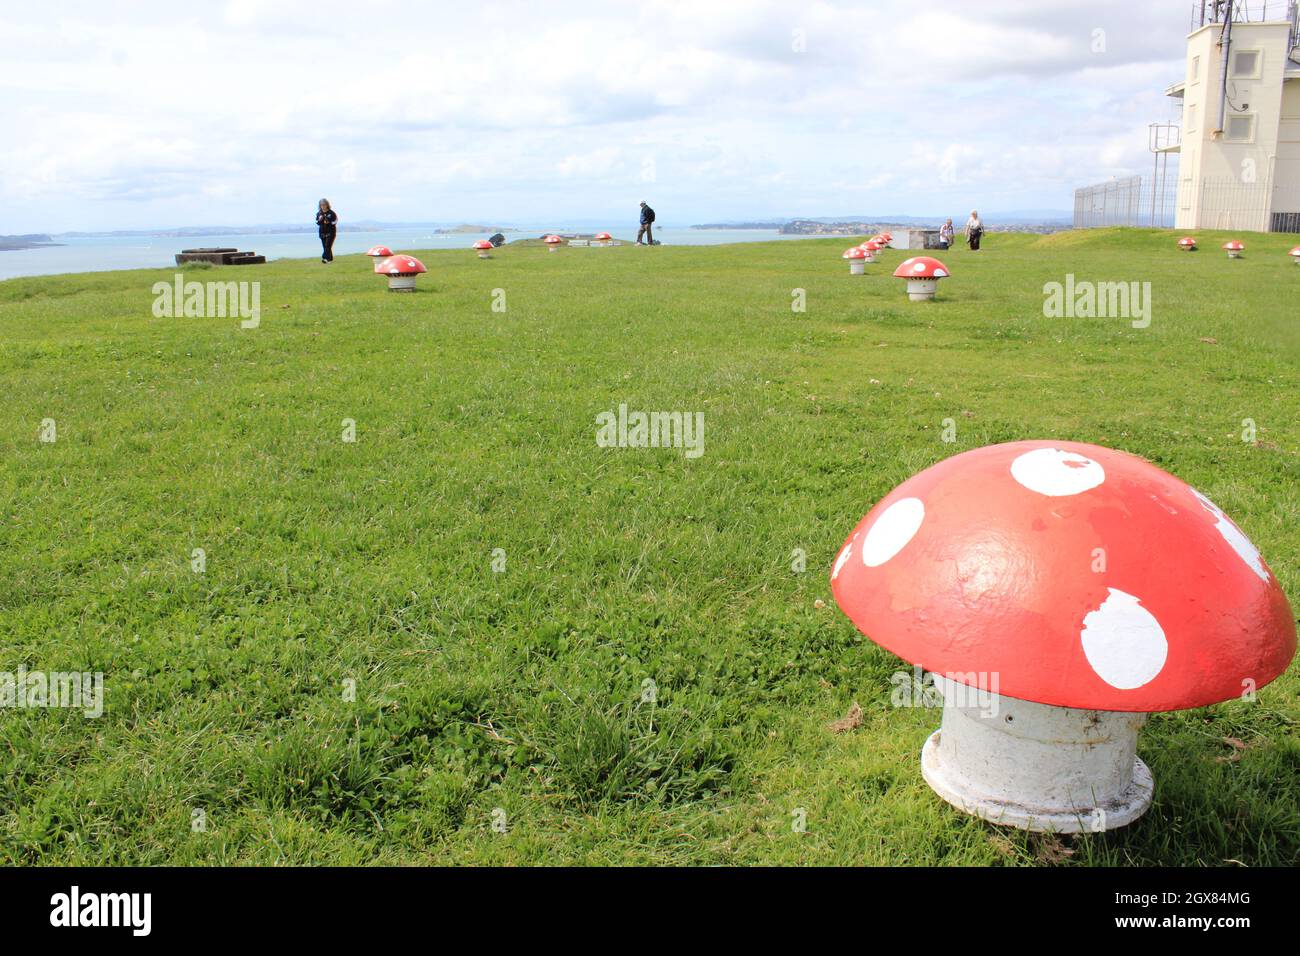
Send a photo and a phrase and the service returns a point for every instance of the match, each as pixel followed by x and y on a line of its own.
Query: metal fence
pixel 1135 201
pixel 1229 203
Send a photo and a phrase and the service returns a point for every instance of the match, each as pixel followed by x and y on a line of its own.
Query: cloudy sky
pixel 142 114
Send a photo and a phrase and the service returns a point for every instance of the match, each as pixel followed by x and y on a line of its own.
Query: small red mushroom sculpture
pixel 1187 244
pixel 401 272
pixel 887 237
pixel 857 257
pixel 553 242
pixel 872 249
pixel 1234 248
pixel 1295 255
pixel 483 248
pixel 603 239
pixel 1060 592
pixel 379 252
pixel 922 274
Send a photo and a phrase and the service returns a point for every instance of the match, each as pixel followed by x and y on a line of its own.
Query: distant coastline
pixel 467 229
pixel 34 241
pixel 861 225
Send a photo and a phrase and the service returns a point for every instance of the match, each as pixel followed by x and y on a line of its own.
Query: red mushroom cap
pixel 1081 576
pixel 1234 245
pixel 921 267
pixel 552 240
pixel 871 246
pixel 855 252
pixel 1296 252
pixel 603 237
pixel 1187 241
pixel 482 244
pixel 887 236
pixel 379 251
pixel 400 266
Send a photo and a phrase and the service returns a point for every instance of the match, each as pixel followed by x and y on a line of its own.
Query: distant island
pixel 34 241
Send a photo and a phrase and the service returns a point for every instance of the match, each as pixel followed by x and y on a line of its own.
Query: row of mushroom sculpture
pixel 1233 247
pixel 401 270
pixel 921 272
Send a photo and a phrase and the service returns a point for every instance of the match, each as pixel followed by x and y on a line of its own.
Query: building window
pixel 1241 129
pixel 1245 65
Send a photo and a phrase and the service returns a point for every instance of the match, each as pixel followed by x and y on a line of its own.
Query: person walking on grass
pixel 974 230
pixel 647 226
pixel 327 224
pixel 946 235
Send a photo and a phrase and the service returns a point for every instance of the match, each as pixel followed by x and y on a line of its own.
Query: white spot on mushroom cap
pixel 841 560
pixel 1057 473
pixel 891 532
pixel 1236 539
pixel 1123 642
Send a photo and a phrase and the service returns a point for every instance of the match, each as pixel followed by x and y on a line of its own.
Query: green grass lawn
pixel 515 696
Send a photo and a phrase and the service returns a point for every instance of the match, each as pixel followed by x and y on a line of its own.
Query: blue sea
pixel 102 253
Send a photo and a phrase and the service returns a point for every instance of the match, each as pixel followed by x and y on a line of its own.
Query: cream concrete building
pixel 1239 150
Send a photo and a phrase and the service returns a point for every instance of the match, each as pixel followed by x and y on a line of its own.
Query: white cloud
pixel 146 114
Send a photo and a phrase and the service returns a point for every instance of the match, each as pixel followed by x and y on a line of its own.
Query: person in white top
pixel 946 233
pixel 974 230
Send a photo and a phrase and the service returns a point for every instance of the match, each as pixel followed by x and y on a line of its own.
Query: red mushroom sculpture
pixel 603 239
pixel 401 272
pixel 483 248
pixel 1060 592
pixel 1295 255
pixel 553 242
pixel 1187 244
pixel 871 248
pixel 857 257
pixel 922 274
pixel 379 252
pixel 1234 248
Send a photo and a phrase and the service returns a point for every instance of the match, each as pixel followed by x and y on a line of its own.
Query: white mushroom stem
pixel 401 283
pixel 1036 767
pixel 857 267
pixel 919 290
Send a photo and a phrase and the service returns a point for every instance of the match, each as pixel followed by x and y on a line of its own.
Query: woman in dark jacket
pixel 327 220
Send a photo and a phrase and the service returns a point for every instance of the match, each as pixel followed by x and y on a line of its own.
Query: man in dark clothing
pixel 327 221
pixel 647 224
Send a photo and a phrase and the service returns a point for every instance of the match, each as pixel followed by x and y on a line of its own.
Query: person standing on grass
pixel 647 226
pixel 946 235
pixel 974 230
pixel 327 223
